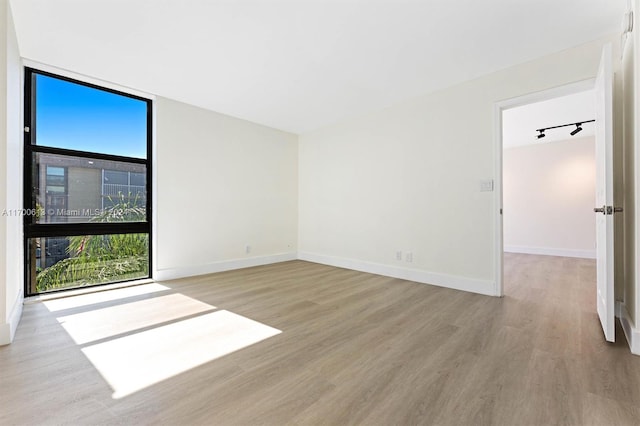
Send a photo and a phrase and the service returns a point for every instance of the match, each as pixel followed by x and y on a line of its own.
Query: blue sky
pixel 78 117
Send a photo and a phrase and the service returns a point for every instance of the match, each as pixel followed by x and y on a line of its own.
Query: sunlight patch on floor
pixel 111 321
pixel 136 361
pixel 102 296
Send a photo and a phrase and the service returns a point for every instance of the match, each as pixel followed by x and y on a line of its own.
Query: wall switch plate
pixel 486 185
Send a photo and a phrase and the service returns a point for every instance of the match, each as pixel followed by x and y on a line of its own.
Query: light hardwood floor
pixel 354 348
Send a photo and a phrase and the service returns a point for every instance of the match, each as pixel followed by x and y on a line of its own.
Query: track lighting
pixel 577 129
pixel 574 132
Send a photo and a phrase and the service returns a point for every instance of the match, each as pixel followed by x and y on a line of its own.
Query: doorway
pixel 604 183
pixel 549 177
pixel 549 185
pixel 507 113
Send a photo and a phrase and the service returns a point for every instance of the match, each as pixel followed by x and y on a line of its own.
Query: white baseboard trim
pixel 5 334
pixel 225 265
pixel 630 332
pixel 8 330
pixel 472 285
pixel 585 254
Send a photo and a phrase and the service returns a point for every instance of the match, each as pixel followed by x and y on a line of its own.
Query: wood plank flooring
pixel 353 348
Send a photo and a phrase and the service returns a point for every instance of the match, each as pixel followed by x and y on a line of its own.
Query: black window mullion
pixel 86 154
pixel 149 181
pixel 65 229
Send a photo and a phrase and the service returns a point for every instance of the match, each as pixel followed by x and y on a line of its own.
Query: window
pixel 87 193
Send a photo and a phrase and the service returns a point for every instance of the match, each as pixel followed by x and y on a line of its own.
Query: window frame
pixel 64 229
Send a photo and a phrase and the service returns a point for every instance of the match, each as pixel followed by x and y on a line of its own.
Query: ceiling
pixel 519 124
pixel 299 65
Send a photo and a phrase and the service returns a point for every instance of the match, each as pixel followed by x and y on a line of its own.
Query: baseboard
pixel 485 287
pixel 8 330
pixel 585 254
pixel 630 332
pixel 225 265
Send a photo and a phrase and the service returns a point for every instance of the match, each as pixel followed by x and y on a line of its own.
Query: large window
pixel 87 184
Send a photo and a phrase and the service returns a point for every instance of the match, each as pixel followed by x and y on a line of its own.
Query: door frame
pixel 499 107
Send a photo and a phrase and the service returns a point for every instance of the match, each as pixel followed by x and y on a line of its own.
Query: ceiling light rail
pixel 574 132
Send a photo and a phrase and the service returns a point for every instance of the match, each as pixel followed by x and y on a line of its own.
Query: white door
pixel 604 193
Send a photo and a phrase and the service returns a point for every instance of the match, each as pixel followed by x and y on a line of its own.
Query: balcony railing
pixel 112 190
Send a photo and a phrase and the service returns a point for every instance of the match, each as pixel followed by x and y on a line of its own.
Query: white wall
pixel 548 198
pixel 223 183
pixel 11 278
pixel 408 178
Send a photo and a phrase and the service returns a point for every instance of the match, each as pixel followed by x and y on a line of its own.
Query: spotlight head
pixel 577 129
pixel 541 135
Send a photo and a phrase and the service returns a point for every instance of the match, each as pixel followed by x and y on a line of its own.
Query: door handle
pixel 607 210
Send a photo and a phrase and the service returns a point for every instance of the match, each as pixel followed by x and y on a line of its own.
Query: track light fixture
pixel 577 129
pixel 574 132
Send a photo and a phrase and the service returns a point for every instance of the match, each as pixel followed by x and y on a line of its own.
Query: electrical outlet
pixel 408 257
pixel 247 249
pixel 398 255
